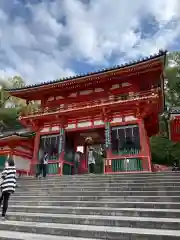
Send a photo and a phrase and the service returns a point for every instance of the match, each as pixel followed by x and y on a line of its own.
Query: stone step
pixel 100 176
pixel 48 185
pixel 122 174
pixel 91 183
pixel 12 235
pixel 33 191
pixel 97 220
pixel 97 185
pixel 157 193
pixel 119 197
pixel 128 206
pixel 99 203
pixel 125 174
pixel 105 211
pixel 88 231
pixel 117 179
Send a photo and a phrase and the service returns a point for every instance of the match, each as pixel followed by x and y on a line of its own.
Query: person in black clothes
pixel 43 166
pixel 77 157
pixel 176 166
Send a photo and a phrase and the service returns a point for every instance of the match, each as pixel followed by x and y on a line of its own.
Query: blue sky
pixel 45 40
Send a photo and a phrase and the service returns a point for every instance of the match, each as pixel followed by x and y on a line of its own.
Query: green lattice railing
pixel 2 161
pixel 53 168
pixel 54 157
pixel 67 169
pixel 126 165
pixel 132 151
pixel 69 156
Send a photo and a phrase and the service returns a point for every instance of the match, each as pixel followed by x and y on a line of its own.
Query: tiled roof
pixel 10 126
pixel 174 110
pixel 18 130
pixel 78 76
pixel 24 134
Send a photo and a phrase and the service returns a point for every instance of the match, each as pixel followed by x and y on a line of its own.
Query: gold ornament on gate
pixel 88 140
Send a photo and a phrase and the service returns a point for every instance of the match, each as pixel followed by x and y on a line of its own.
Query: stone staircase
pixel 86 207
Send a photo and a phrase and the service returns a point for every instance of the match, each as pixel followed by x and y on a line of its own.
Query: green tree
pixel 16 82
pixel 172 88
pixel 8 104
pixel 163 150
pixel 172 83
pixel 7 101
pixel 174 58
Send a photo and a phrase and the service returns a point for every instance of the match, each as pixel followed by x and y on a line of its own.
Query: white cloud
pixel 43 48
pixel 164 11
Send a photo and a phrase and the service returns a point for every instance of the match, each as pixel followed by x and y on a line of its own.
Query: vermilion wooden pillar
pixel 107 129
pixel 61 149
pixel 35 159
pixel 145 148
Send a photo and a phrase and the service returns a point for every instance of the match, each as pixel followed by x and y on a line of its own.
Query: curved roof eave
pixel 84 75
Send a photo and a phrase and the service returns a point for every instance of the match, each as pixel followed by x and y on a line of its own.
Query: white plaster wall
pixel 117 120
pixel 23 150
pixel 55 128
pixel 85 92
pixel 71 126
pixel 5 148
pixel 130 118
pixel 84 124
pixel 98 122
pixel 22 163
pixel 98 90
pixel 45 129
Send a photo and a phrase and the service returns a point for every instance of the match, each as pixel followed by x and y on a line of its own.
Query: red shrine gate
pixel 174 124
pixel 117 107
pixel 17 143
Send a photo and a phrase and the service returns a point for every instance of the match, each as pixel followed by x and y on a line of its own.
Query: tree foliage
pixel 7 101
pixel 164 151
pixel 11 106
pixel 172 85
